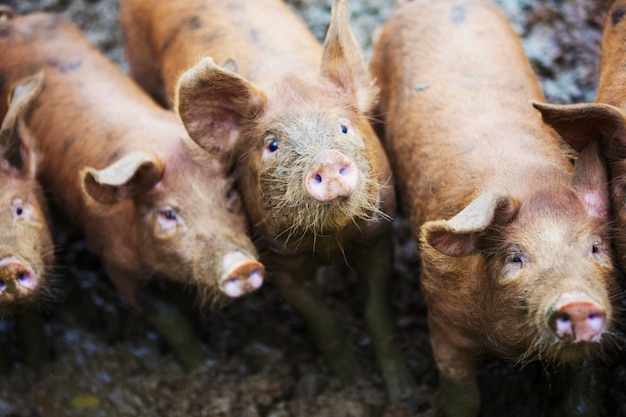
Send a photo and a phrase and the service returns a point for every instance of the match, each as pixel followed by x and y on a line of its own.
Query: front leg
pixel 456 364
pixel 374 263
pixel 168 321
pixel 33 338
pixel 583 394
pixel 295 282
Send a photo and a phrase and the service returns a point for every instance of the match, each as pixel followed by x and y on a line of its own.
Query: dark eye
pixel 595 248
pixel 273 146
pixel 169 214
pixel 515 258
pixel 344 129
pixel 18 208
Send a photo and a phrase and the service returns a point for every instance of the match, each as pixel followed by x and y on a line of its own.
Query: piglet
pixel 290 116
pixel 514 242
pixel 123 170
pixel 26 248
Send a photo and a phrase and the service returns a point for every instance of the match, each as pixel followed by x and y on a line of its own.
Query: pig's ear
pixel 15 144
pixel 591 181
pixel 128 177
pixel 461 235
pixel 581 124
pixel 213 102
pixel 343 62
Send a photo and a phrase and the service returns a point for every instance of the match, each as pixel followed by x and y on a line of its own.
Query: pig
pixel 123 170
pixel 26 246
pixel 603 122
pixel 513 238
pixel 251 82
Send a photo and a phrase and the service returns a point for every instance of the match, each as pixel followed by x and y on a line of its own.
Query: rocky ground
pixel 108 362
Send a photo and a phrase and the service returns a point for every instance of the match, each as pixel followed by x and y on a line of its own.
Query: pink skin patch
pixel 17 281
pixel 331 175
pixel 578 317
pixel 242 274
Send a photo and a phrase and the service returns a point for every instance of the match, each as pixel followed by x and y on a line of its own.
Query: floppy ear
pixel 591 181
pixel 581 124
pixel 213 102
pixel 15 146
pixel 343 62
pixel 460 235
pixel 128 177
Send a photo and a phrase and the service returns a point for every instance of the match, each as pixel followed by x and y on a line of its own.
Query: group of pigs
pixel 269 161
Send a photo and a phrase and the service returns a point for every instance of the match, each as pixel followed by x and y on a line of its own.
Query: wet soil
pixel 107 361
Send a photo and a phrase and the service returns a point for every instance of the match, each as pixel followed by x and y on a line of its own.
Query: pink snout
pixel 331 175
pixel 17 280
pixel 577 318
pixel 241 274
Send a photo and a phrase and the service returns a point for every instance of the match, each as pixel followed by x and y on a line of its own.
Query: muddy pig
pixel 26 248
pixel 314 178
pixel 514 247
pixel 603 122
pixel 123 170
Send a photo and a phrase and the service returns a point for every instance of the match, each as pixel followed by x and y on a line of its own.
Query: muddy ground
pixel 106 361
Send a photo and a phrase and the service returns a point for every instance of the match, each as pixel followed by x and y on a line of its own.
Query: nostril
pixel 345 170
pixel 2 284
pixel 317 178
pixel 22 277
pixel 563 325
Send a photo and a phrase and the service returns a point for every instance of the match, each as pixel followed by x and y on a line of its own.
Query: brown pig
pixel 314 178
pixel 26 248
pixel 124 171
pixel 514 245
pixel 604 121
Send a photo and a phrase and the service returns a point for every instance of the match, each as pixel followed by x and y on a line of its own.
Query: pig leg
pixel 174 327
pixel 170 323
pixel 34 342
pixel 303 294
pixel 455 361
pixel 375 263
pixel 583 391
pixel 5 362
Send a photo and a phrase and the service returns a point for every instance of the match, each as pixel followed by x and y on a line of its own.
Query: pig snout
pixel 331 175
pixel 241 274
pixel 577 318
pixel 17 280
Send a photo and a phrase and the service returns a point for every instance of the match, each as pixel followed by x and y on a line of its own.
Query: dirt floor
pixel 106 361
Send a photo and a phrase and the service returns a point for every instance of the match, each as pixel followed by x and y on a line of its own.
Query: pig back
pixel 87 111
pixel 455 94
pixel 178 34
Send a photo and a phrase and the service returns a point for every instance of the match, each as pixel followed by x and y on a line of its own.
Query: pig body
pixel 124 171
pixel 514 243
pixel 313 176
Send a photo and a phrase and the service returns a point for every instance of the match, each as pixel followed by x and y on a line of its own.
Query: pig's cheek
pixel 233 202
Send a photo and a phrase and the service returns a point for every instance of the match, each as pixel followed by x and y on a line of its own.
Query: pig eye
pixel 515 258
pixel 272 146
pixel 596 247
pixel 169 214
pixel 344 128
pixel 19 210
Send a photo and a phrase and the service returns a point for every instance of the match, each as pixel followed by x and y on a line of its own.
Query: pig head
pixel 26 248
pixel 309 164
